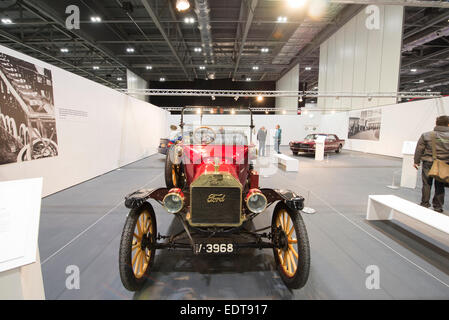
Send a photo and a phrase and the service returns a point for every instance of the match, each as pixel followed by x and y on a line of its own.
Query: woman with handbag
pixel 433 150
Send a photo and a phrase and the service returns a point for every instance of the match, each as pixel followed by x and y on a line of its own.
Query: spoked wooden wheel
pixel 136 256
pixel 292 252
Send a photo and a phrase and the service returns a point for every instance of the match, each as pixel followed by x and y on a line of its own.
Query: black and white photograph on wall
pixel 27 113
pixel 365 125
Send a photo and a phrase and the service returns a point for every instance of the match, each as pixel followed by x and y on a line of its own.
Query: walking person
pixel 277 138
pixel 423 152
pixel 261 137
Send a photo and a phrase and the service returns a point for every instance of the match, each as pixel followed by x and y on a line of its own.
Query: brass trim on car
pixel 219 180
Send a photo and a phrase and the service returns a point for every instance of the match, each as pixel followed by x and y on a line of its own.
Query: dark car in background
pixel 332 143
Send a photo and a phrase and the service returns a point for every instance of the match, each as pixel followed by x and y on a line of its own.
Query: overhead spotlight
pixel 413 70
pixel 315 88
pixel 317 8
pixel 198 111
pixel 428 90
pixel 284 112
pixel 182 5
pixel 198 49
pixel 264 50
pixel 189 20
pixel 213 98
pixel 149 67
pixel 211 76
pixel 130 50
pixel 300 99
pixel 95 19
pixel 211 111
pixel 232 111
pixel 96 67
pixel 266 112
pixel 296 3
pixel 64 50
pixel 248 79
pixel 259 98
pixel 282 19
pixel 236 98
pixel 202 67
pixel 119 79
pixel 6 21
pixel 162 79
pixel 255 67
pixel 421 81
pixel 308 68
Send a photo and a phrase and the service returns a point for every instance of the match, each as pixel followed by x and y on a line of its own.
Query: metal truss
pixel 273 94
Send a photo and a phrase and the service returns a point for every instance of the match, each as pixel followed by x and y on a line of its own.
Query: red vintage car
pixel 214 191
pixel 332 143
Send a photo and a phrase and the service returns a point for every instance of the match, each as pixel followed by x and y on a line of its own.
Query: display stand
pixel 20 269
pixel 319 148
pixel 409 173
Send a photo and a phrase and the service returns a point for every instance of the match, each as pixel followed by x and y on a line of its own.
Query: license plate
pixel 215 248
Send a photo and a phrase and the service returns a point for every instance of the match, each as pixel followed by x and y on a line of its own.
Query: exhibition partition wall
pixel 65 128
pixel 380 130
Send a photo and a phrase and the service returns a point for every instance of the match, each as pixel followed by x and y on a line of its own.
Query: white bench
pixel 289 163
pixel 426 221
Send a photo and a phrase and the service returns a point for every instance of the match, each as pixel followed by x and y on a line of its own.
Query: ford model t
pixel 213 189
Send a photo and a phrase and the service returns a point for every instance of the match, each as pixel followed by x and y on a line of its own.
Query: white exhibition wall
pixel 99 129
pixel 400 122
pixel 289 82
pixel 358 59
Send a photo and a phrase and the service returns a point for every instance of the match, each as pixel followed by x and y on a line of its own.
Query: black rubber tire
pixel 299 279
pixel 339 149
pixel 295 153
pixel 129 280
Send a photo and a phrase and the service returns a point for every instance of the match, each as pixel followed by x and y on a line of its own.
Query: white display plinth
pixel 319 148
pixel 20 269
pixel 409 173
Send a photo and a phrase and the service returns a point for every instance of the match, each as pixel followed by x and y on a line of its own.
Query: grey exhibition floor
pixel 82 225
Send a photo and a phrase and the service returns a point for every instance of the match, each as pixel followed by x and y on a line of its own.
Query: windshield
pixel 214 135
pixel 314 136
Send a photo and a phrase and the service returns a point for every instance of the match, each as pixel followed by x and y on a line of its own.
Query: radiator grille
pixel 215 206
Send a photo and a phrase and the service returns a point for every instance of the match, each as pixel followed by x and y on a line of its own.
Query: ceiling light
pixel 259 98
pixel 202 67
pixel 189 20
pixel 130 50
pixel 282 19
pixel 149 67
pixel 211 76
pixel 300 99
pixel 162 79
pixel 182 5
pixel 64 50
pixel 6 21
pixel 213 97
pixel 119 79
pixel 264 50
pixel 255 67
pixel 315 88
pixel 421 81
pixel 248 79
pixel 296 3
pixel 198 49
pixel 284 112
pixel 308 68
pixel 95 19
pixel 232 111
pixel 198 111
pixel 96 67
pixel 413 70
pixel 266 112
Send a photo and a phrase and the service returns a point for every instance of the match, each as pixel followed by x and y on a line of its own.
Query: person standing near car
pixel 277 138
pixel 423 152
pixel 261 137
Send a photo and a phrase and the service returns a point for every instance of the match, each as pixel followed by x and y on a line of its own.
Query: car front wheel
pixel 136 256
pixel 291 251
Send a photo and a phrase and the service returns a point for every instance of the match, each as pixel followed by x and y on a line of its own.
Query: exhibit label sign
pixel 20 205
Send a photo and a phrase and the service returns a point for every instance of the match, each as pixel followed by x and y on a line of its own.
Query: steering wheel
pixel 204 135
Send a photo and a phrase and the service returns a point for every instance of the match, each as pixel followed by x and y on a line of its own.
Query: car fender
pixel 137 198
pixel 290 198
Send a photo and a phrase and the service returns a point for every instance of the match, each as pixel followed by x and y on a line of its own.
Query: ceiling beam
pixel 249 21
pixel 407 3
pixel 155 19
pixel 340 20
